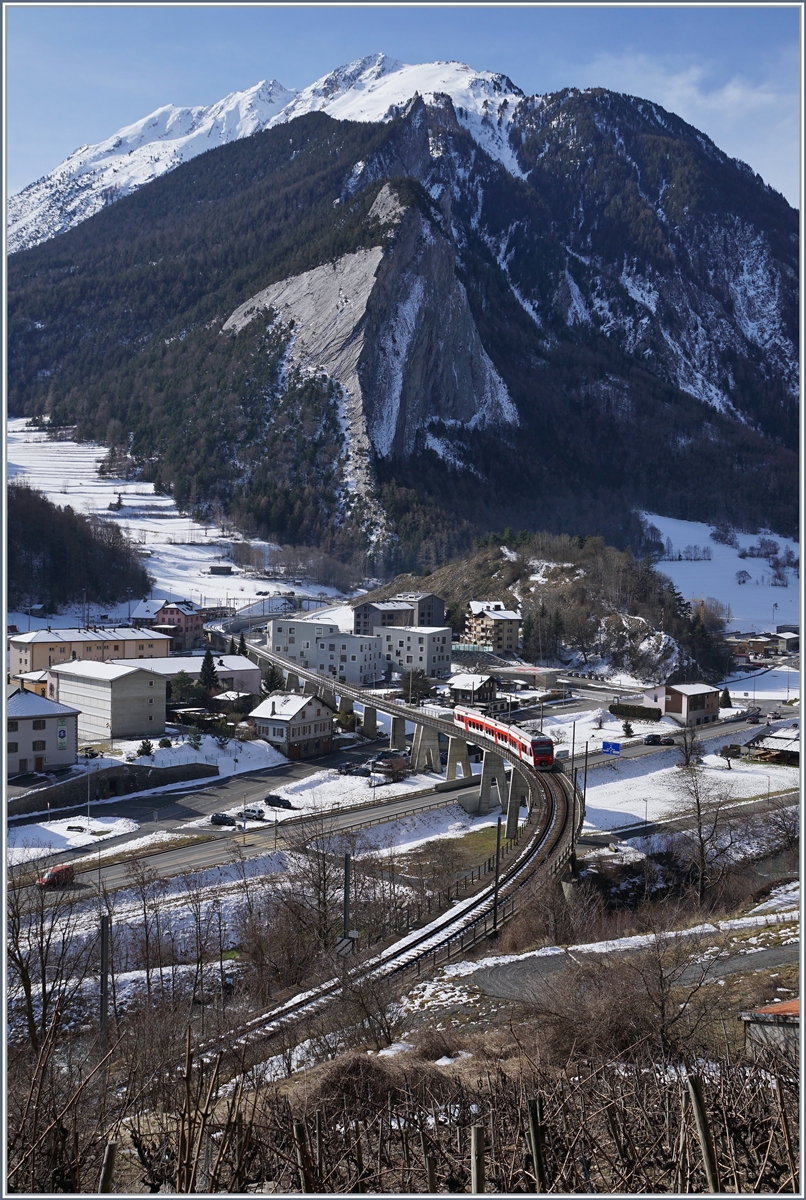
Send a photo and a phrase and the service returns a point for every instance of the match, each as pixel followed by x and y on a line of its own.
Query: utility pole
pixel 497 872
pixel 106 922
pixel 347 894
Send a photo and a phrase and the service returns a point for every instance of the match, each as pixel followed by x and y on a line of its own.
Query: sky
pixel 75 74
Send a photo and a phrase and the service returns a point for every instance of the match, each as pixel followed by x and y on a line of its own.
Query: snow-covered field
pixel 779 683
pixel 325 791
pixel 180 552
pixel 43 838
pixel 633 789
pixel 751 603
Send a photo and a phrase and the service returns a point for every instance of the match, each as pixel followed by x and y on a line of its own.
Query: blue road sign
pixel 611 747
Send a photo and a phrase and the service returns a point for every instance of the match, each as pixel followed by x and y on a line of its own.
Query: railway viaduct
pixel 521 788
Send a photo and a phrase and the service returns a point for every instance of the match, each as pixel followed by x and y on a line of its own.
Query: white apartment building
pixel 351 658
pixel 114 700
pixel 418 648
pixel 297 639
pixel 321 646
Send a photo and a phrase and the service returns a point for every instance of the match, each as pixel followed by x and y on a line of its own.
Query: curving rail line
pixel 559 818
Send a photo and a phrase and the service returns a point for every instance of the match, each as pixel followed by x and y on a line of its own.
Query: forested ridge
pixel 56 556
pixel 115 328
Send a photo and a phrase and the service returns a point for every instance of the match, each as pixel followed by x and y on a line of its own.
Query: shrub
pixel 145 749
pixel 636 711
pixel 165 743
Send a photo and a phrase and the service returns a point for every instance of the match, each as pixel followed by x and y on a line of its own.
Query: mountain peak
pixel 373 88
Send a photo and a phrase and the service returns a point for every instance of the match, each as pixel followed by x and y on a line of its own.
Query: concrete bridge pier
pixel 457 757
pixel 292 682
pixel 345 704
pixel 370 722
pixel 518 793
pixel 425 750
pixel 492 768
pixel 310 688
pixel 397 734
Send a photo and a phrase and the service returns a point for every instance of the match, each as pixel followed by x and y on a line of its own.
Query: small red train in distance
pixel 536 749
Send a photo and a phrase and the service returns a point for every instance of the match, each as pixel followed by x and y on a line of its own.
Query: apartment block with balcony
pixel 491 623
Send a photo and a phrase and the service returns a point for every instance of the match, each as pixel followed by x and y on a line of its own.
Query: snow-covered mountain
pixel 464 310
pixel 374 88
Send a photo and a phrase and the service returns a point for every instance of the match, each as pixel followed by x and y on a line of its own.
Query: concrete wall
pixel 114 781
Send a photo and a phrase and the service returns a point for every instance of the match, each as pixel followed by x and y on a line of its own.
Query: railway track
pixel 466 923
pixel 559 817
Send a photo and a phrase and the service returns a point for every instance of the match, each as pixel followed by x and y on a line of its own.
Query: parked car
pixel 222 819
pixel 362 771
pixel 253 814
pixel 667 741
pixel 61 876
pixel 754 720
pixel 652 739
pixel 277 801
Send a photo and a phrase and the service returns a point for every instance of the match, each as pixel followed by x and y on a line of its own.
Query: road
pixel 217 845
pixel 527 979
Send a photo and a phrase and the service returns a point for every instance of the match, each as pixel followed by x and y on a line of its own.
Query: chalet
pixel 299 726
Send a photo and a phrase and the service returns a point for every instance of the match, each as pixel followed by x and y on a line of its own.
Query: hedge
pixel 636 711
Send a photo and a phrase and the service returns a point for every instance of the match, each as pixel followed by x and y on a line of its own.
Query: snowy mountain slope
pixel 94 176
pixel 374 88
pixel 613 326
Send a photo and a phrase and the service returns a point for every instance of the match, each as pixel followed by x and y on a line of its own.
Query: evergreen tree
pixel 231 649
pixel 194 737
pixel 209 676
pixel 725 700
pixel 241 646
pixel 145 749
pixel 272 680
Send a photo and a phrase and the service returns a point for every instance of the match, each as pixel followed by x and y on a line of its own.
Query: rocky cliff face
pixel 606 318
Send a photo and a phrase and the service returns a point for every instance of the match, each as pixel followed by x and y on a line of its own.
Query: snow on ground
pixel 43 838
pixel 628 790
pixel 401 837
pixel 781 899
pixel 232 759
pixel 751 603
pixel 325 791
pixel 779 683
pixel 582 727
pixel 179 551
pixel 617 946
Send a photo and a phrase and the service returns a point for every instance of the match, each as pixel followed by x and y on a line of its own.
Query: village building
pixel 43 648
pixel 41 735
pixel 490 623
pixel 115 700
pixel 234 671
pixel 775 1029
pixel 299 726
pixel 322 647
pixel 403 610
pixel 180 619
pixel 473 689
pixel 419 648
pixel 686 703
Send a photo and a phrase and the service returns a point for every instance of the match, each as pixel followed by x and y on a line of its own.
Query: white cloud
pixel 758 122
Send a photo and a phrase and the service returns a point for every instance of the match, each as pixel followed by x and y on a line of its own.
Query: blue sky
pixel 76 74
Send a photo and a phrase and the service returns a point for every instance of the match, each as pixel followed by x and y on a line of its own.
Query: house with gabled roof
pixel 41 734
pixel 299 726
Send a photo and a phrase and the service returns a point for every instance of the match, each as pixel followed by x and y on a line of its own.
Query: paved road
pixel 525 980
pixel 216 845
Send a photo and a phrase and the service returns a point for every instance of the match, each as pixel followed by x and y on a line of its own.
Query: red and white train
pixel 536 749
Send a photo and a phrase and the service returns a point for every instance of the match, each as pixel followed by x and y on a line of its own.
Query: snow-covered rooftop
pixel 113 634
pixel 693 689
pixel 191 664
pixel 27 704
pixel 107 671
pixel 285 705
pixel 468 682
